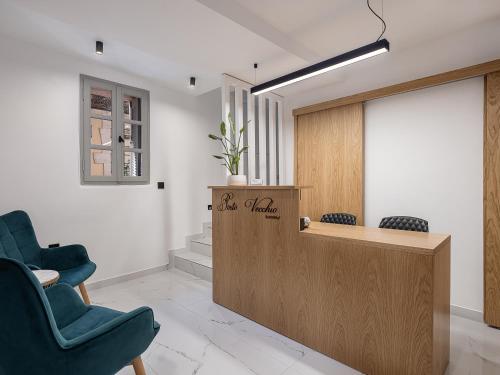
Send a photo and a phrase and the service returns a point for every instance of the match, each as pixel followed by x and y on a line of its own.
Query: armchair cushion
pixel 8 246
pixel 66 304
pixel 22 232
pixel 77 275
pixel 93 318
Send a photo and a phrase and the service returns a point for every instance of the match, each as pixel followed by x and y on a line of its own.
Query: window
pixel 115 133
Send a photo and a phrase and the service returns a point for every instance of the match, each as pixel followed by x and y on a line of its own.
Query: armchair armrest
pixel 64 257
pixel 137 326
pixel 65 303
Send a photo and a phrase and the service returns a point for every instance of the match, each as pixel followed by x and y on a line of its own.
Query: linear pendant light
pixel 362 53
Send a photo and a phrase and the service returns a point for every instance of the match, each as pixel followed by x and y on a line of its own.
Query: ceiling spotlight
pixel 192 82
pixel 99 47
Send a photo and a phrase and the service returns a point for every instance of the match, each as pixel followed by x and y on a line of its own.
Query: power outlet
pixel 161 185
pixel 210 207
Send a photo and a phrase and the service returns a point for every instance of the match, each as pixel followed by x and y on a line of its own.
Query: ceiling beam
pixel 234 11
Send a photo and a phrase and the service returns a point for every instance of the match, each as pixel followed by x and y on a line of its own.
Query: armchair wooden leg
pixel 138 366
pixel 84 293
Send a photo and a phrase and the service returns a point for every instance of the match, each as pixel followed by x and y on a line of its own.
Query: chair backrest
pixel 405 223
pixel 339 218
pixel 17 238
pixel 27 327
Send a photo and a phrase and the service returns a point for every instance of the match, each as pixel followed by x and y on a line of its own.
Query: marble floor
pixel 198 337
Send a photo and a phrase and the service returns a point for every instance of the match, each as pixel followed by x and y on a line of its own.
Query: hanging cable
pixel 380 18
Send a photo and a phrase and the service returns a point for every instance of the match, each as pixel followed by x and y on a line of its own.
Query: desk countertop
pixel 398 239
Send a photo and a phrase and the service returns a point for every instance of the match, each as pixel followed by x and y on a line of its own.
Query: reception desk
pixel 375 299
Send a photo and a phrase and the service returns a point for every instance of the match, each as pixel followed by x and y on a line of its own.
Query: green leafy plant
pixel 232 150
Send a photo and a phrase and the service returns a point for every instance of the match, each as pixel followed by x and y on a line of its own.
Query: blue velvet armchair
pixel 52 332
pixel 18 241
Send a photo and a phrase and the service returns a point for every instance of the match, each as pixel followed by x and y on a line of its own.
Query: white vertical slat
pixel 251 136
pixel 281 161
pixel 238 118
pixel 272 141
pixel 225 102
pixel 225 105
pixel 262 138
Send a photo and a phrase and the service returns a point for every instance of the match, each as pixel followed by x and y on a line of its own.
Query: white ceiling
pixel 171 40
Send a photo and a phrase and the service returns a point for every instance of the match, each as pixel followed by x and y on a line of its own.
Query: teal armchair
pixel 18 241
pixel 51 331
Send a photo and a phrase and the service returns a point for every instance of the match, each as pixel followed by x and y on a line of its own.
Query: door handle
pixel 120 139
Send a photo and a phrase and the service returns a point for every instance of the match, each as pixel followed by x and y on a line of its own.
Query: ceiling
pixel 169 41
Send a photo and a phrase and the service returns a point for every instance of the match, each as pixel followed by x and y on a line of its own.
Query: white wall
pixel 424 158
pixel 125 228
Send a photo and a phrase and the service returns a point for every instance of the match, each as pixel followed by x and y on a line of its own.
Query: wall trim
pixel 417 84
pixel 466 313
pixel 126 277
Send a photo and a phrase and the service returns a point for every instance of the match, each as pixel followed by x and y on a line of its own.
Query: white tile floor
pixel 198 337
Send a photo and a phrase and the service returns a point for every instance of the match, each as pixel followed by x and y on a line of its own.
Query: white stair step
pixel 207 229
pixel 194 263
pixel 202 246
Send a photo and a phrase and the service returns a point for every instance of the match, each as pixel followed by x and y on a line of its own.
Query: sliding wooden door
pixel 492 200
pixel 329 157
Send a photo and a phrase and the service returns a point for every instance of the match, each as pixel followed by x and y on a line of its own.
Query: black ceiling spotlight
pixel 362 53
pixel 192 82
pixel 99 47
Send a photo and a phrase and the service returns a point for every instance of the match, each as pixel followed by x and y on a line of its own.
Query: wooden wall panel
pixel 492 200
pixel 329 157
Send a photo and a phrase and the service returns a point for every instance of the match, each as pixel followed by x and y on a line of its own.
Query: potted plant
pixel 232 152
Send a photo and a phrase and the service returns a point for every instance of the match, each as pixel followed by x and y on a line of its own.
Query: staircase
pixel 196 258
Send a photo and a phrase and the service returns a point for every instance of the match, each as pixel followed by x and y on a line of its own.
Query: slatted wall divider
pixel 248 164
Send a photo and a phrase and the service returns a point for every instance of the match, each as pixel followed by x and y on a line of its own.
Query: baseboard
pixel 126 277
pixel 464 312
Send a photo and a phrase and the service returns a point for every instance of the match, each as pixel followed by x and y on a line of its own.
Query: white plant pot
pixel 237 179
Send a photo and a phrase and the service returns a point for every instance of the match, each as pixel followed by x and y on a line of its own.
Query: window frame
pixel 118 91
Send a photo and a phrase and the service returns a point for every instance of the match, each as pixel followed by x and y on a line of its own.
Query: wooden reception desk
pixel 375 299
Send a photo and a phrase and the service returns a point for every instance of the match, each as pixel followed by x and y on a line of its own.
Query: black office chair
pixel 405 223
pixel 339 218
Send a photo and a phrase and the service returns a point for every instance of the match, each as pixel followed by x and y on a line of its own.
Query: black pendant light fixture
pixel 362 53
